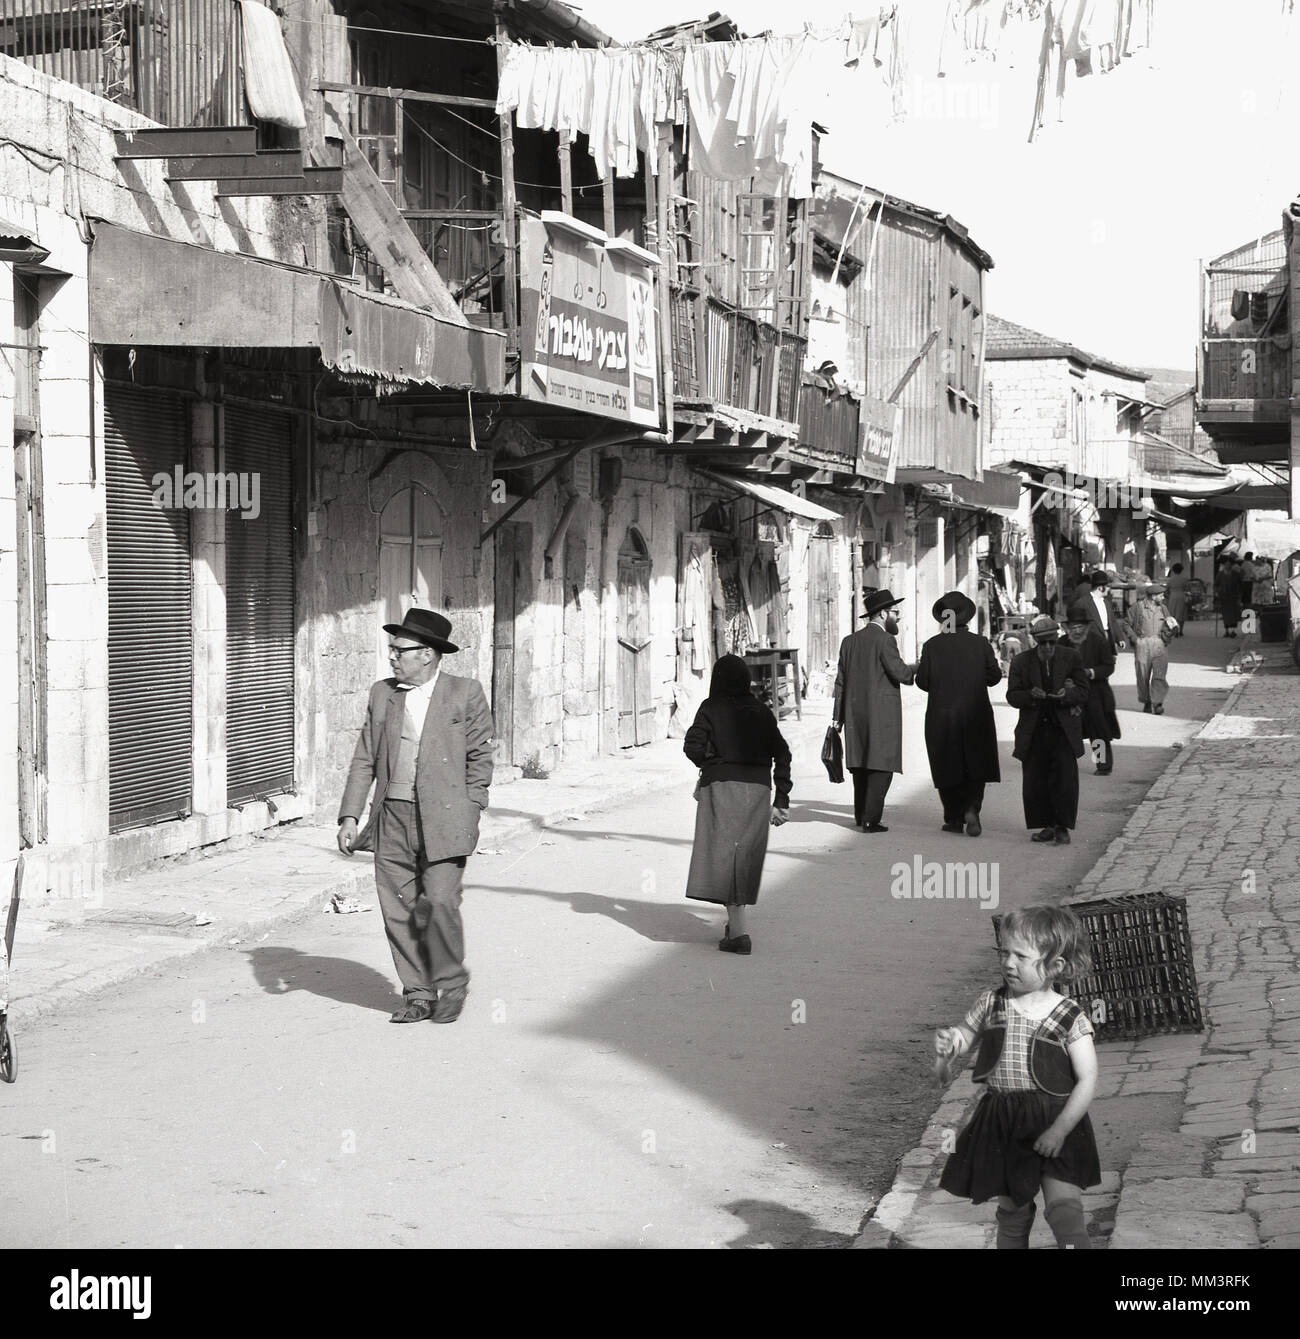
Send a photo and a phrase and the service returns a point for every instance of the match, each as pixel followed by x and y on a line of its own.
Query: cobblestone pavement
pixel 1216 1163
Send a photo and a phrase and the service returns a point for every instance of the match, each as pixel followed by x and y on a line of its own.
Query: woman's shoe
pixel 741 944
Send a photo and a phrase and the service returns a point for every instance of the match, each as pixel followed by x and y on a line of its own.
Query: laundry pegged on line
pixel 1094 36
pixel 995 30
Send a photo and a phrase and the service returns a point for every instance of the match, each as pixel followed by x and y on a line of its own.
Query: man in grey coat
pixel 427 748
pixel 869 707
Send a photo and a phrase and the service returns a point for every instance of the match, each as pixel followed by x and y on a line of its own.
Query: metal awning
pixel 147 290
pixel 1252 497
pixel 773 496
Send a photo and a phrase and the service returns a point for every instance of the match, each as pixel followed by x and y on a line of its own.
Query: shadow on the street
pixel 686 924
pixel 280 971
pixel 777 1225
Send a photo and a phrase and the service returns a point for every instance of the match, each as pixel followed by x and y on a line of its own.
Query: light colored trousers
pixel 1151 659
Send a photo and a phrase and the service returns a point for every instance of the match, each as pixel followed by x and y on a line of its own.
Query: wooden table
pixel 767 665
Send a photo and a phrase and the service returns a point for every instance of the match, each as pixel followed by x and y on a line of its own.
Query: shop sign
pixel 877 438
pixel 588 337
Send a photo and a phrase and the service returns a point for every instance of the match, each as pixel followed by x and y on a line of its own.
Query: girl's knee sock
pixel 1065 1218
pixel 1013 1227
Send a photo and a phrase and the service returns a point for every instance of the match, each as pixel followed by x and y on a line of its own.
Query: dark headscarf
pixel 731 678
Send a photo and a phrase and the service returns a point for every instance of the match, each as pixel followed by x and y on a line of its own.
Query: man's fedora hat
pixel 960 606
pixel 425 627
pixel 1078 614
pixel 1044 628
pixel 880 599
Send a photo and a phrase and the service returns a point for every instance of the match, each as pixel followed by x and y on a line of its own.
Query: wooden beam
pixel 313 181
pixel 506 132
pixel 387 234
pixel 914 364
pixel 191 142
pixel 404 94
pixel 236 167
pixel 566 175
pixel 607 200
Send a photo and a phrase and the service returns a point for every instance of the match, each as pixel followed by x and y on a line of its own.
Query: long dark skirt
pixel 995 1152
pixel 731 823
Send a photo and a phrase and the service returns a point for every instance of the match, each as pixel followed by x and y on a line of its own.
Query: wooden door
pixel 823 602
pixel 636 710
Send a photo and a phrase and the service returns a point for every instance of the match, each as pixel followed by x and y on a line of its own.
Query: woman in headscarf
pixel 737 745
pixel 1176 595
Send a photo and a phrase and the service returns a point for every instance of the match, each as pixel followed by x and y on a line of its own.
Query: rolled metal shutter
pixel 150 633
pixel 259 608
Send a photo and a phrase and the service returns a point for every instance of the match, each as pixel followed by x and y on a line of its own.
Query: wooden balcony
pixel 729 359
pixel 1245 387
pixel 829 425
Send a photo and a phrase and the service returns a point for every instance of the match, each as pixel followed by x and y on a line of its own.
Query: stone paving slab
pixel 1220 826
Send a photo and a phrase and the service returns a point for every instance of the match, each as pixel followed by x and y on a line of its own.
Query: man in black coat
pixel 869 707
pixel 1049 686
pixel 1100 720
pixel 1100 611
pixel 957 669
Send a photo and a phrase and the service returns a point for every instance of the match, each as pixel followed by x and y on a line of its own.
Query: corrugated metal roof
pixel 1159 456
pixel 1005 339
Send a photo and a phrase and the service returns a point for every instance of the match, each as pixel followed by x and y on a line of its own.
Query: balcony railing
pixel 727 357
pixel 467 251
pixel 179 62
pixel 829 422
pixel 1245 369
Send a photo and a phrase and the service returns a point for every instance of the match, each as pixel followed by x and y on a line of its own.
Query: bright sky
pixel 1179 154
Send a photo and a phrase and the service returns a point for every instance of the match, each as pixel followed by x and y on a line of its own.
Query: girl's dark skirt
pixel 731 825
pixel 995 1152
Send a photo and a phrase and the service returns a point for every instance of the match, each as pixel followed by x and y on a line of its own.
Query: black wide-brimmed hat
pixel 880 599
pixel 425 627
pixel 960 606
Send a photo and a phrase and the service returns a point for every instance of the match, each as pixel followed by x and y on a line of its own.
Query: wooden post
pixel 508 202
pixel 607 196
pixel 667 269
pixel 566 175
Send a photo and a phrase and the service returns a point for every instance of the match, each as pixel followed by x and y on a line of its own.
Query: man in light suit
pixel 427 747
pixel 870 709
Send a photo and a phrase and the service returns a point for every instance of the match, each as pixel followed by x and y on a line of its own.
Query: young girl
pixel 1030 1130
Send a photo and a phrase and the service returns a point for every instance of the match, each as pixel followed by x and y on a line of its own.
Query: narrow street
pixel 614 1081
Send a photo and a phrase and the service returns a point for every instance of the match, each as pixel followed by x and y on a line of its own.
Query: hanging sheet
pixel 269 84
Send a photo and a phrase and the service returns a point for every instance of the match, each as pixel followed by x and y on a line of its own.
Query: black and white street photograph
pixel 637 628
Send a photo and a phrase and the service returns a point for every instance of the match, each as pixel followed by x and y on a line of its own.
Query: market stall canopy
pixel 774 497
pixel 1273 539
pixel 148 290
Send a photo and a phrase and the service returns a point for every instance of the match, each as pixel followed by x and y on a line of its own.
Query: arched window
pixel 410 558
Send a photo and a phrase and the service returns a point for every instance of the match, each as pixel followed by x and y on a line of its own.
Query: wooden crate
pixel 1143 981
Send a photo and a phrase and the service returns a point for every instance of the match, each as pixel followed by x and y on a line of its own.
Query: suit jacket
pixel 867 700
pixel 957 669
pixel 453 768
pixel 1099 718
pixel 1109 634
pixel 1026 674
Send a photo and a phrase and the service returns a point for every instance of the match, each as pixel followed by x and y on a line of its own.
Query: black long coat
pixel 957 669
pixel 867 700
pixel 1026 674
pixel 1100 720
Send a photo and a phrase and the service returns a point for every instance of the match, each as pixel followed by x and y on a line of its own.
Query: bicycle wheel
pixel 8 1062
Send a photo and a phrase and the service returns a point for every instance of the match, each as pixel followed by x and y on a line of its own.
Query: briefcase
pixel 833 754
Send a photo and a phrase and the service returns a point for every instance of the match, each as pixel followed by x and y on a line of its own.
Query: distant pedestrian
pixel 1100 720
pixel 426 747
pixel 1150 624
pixel 737 745
pixel 1176 600
pixel 1227 587
pixel 957 669
pixel 1030 1131
pixel 1101 613
pixel 1049 687
pixel 869 708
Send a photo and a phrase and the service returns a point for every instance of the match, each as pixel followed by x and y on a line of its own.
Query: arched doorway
pixel 823 598
pixel 636 710
pixel 410 559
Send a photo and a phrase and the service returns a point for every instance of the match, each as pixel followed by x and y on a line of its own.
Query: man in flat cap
pixel 1049 685
pixel 869 707
pixel 957 669
pixel 427 748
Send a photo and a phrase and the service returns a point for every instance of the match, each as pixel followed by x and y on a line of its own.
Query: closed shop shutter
pixel 259 607
pixel 150 633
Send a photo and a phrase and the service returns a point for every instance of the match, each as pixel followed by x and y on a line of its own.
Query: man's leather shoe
pixel 1146 708
pixel 875 827
pixel 740 944
pixel 1103 771
pixel 415 1012
pixel 1158 710
pixel 952 827
pixel 449 1005
pixel 973 828
pixel 1046 835
pixel 1062 836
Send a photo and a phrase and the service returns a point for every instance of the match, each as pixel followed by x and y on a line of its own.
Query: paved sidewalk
pixel 1212 1153
pixel 236 893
